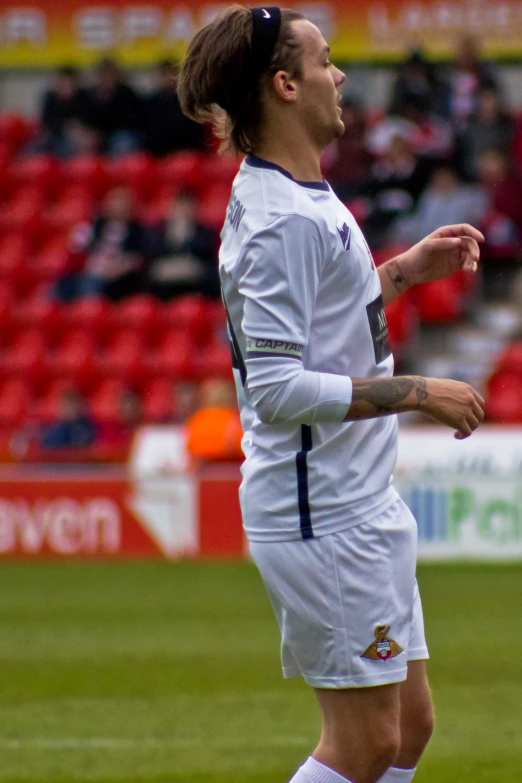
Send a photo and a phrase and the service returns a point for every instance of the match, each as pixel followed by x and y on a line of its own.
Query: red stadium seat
pixel 91 314
pixel 86 172
pixel 15 131
pixel 25 357
pixel 15 399
pixel 173 357
pixel 504 406
pixel 181 170
pixel 14 253
pixel 214 361
pixel 213 206
pixel 73 206
pixel 122 357
pixel 158 401
pixel 41 171
pixel 221 169
pixel 191 314
pixel 401 319
pixel 510 359
pixel 440 301
pixel 23 210
pixel 52 259
pixel 139 313
pixel 104 402
pixel 157 208
pixel 37 312
pixel 73 359
pixel 47 407
pixel 137 171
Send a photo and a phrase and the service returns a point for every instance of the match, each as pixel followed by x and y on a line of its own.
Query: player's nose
pixel 339 77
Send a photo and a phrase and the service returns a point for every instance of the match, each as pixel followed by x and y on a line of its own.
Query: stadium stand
pixel 102 347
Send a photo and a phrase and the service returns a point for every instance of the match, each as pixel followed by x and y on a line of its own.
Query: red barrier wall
pixel 90 515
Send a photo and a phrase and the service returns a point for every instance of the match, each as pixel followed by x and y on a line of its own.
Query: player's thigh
pixel 344 601
pixel 416 705
pixel 360 712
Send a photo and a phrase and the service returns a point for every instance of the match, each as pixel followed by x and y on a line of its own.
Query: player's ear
pixel 284 87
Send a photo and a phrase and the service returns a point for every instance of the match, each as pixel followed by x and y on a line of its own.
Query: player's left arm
pixel 446 250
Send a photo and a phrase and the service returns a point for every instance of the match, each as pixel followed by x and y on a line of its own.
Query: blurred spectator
pixel 63 132
pixel 490 127
pixel 502 224
pixel 416 81
pixel 118 434
pixel 73 428
pixel 114 110
pixel 107 256
pixel 396 181
pixel 467 77
pixel 446 200
pixel 352 159
pixel 167 129
pixel 214 431
pixel 184 253
pixel 431 135
pixel 185 400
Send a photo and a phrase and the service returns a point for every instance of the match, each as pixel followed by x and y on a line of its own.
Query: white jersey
pixel 305 314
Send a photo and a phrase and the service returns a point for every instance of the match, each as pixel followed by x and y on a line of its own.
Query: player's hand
pixel 454 404
pixel 447 250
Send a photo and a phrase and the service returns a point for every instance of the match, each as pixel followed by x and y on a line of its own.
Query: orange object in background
pixel 214 431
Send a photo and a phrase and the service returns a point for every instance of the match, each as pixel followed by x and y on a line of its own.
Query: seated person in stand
pixel 214 431
pixel 106 256
pixel 114 110
pixel 396 181
pixel 167 129
pixel 63 106
pixel 446 200
pixel 351 158
pixel 489 127
pixel 502 223
pixel 118 434
pixel 73 428
pixel 185 400
pixel 184 253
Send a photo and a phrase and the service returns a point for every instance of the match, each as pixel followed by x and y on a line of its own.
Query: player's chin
pixel 338 128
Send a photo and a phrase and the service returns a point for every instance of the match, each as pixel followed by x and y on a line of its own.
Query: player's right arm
pixel 448 402
pixel 278 278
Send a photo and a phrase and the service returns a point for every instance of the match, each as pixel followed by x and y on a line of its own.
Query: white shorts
pixel 348 603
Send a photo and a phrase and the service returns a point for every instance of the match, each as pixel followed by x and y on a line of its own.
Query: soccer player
pixel 334 543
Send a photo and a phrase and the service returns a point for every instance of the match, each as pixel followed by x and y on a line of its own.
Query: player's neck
pixel 298 156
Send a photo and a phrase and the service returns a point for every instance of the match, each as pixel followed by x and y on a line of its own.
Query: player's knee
pixel 384 746
pixel 416 731
pixel 423 725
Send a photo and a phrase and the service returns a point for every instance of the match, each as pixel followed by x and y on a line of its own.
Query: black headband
pixel 266 24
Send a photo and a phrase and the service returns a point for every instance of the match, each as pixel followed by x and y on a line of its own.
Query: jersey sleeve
pixel 278 278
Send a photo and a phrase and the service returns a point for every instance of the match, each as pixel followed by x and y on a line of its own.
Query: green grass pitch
pixel 162 673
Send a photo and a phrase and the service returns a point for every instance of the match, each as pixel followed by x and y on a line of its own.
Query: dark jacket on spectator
pixel 57 112
pixel 120 109
pixel 167 129
pixel 76 433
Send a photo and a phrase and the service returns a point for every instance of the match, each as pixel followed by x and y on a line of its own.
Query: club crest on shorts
pixel 383 647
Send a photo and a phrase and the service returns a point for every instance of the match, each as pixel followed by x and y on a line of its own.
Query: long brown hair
pixel 215 73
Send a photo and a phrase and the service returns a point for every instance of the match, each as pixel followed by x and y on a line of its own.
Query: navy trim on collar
pixel 260 163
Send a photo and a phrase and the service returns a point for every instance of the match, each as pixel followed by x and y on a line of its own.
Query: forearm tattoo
pixel 396 275
pixel 386 395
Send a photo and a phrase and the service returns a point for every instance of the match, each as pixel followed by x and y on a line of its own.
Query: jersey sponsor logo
pixel 346 236
pixel 235 212
pixel 260 345
pixel 378 329
pixel 383 648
